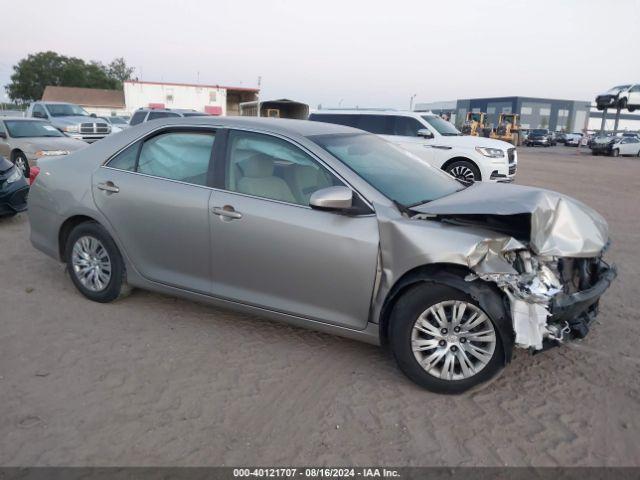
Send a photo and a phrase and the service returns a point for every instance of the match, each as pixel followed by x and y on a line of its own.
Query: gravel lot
pixel 152 380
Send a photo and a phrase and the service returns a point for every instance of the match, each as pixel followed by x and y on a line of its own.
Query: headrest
pixel 257 166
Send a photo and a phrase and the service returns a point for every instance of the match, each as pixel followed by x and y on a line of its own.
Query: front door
pixel 403 131
pixel 155 196
pixel 271 250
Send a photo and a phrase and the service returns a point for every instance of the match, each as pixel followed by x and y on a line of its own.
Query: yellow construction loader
pixel 474 124
pixel 508 128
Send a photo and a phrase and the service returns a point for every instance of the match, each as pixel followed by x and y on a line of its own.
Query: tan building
pixel 94 100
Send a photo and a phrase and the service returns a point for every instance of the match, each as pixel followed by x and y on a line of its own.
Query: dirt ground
pixel 152 380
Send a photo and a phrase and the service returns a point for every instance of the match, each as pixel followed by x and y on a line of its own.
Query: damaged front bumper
pixel 578 310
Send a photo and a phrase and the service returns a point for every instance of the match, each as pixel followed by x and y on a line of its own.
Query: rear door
pixel 155 195
pixel 271 250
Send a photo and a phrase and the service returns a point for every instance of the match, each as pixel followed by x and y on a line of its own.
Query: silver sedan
pixel 25 140
pixel 331 228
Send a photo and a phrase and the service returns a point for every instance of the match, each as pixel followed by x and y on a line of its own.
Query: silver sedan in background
pixel 328 227
pixel 25 140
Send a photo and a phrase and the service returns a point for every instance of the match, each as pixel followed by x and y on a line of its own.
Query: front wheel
pixel 615 152
pixel 443 340
pixel 464 171
pixel 21 162
pixel 95 264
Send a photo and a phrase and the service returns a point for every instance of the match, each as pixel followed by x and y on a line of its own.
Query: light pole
pixel 411 102
pixel 258 104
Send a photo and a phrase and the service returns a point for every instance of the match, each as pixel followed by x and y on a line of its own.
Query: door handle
pixel 227 212
pixel 108 187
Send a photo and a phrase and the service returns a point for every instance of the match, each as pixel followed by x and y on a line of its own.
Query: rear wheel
pixel 464 171
pixel 443 341
pixel 95 264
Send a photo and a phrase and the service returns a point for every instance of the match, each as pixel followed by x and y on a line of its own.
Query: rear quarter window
pixel 137 118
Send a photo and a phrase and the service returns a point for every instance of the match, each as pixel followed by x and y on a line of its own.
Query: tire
pixel 631 109
pixel 622 104
pixel 412 309
pixel 464 171
pixel 88 247
pixel 20 160
pixel 593 152
pixel 615 152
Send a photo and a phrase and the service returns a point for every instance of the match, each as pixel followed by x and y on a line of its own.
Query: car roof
pixel 282 126
pixel 407 113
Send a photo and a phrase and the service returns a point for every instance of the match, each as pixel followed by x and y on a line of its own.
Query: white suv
pixel 435 140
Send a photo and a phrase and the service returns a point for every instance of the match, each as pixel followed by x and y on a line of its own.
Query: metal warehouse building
pixel 557 115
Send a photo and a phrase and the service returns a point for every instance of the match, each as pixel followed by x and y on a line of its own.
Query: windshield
pixel 66 110
pixel 28 128
pixel 618 89
pixel 539 131
pixel 396 173
pixel 442 126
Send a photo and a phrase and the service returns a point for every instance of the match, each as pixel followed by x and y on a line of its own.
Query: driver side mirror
pixel 425 133
pixel 332 199
pixel 3 135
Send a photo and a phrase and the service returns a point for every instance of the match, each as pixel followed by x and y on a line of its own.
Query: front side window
pixel 272 168
pixel 338 119
pixel 39 111
pixel 442 126
pixel 66 110
pixel 394 172
pixel 378 124
pixel 182 156
pixel 137 118
pixel 406 126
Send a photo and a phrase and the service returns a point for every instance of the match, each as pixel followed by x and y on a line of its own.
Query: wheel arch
pixel 14 152
pixel 67 227
pixel 446 164
pixel 490 298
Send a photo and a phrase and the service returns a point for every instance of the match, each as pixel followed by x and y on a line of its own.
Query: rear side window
pixel 126 159
pixel 378 124
pixel 155 115
pixel 137 118
pixel 182 156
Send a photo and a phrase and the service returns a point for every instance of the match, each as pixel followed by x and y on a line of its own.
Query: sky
pixel 345 52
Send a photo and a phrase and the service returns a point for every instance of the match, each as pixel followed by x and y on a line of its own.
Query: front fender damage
pixel 541 249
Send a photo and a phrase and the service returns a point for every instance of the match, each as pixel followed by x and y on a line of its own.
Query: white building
pixel 213 99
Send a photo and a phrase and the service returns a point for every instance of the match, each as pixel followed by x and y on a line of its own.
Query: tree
pixel 32 74
pixel 119 70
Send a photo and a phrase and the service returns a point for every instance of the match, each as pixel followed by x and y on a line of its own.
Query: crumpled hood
pixel 558 225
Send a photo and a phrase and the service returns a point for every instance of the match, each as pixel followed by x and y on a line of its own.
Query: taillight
pixel 33 173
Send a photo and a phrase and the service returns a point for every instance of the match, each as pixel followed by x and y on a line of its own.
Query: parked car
pixel 435 140
pixel 539 136
pixel 327 227
pixel 25 140
pixel 117 123
pixel 71 119
pixel 572 139
pixel 13 189
pixel 145 114
pixel 613 98
pixel 561 137
pixel 616 146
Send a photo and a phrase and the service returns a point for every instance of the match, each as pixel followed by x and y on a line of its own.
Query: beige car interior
pixel 261 175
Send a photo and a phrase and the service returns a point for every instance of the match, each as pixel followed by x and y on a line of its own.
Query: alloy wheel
pixel 463 173
pixel 453 340
pixel 21 163
pixel 91 263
